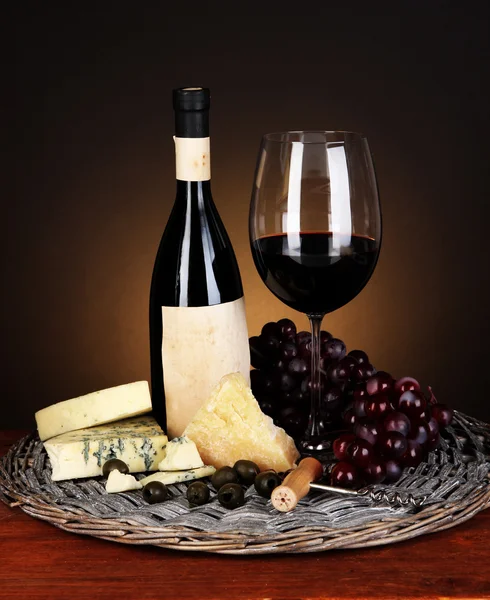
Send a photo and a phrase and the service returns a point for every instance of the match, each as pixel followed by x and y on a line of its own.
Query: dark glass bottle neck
pixel 193 189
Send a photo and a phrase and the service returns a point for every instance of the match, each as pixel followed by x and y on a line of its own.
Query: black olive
pixel 114 464
pixel 198 493
pixel 231 495
pixel 222 476
pixel 265 483
pixel 247 471
pixel 154 492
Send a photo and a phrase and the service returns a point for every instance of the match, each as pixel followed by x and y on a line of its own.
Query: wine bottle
pixel 198 329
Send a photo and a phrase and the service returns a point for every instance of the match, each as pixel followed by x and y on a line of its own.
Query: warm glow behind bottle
pixel 198 330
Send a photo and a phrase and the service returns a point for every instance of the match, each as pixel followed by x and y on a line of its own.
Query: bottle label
pixel 193 162
pixel 200 345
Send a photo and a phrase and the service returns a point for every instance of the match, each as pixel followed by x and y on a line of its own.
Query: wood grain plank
pixel 40 561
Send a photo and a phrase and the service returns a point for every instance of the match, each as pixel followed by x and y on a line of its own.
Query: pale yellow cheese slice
pixel 97 408
pixel 230 426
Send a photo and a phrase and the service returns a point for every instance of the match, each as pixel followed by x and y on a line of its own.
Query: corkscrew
pixel 300 481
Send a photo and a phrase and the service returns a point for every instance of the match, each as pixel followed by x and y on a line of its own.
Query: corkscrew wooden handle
pixel 297 484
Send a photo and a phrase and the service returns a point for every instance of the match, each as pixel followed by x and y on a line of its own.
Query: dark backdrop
pixel 94 177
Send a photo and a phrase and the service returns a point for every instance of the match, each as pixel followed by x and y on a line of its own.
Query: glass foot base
pixel 320 446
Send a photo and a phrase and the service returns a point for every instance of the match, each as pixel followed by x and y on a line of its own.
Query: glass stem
pixel 315 423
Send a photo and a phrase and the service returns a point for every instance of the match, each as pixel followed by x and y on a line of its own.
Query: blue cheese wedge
pixel 120 482
pixel 181 454
pixel 105 406
pixel 139 442
pixel 179 476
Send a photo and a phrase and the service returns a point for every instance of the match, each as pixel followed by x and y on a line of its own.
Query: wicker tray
pixel 455 481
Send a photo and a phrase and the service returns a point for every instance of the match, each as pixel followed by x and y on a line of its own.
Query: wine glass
pixel 315 233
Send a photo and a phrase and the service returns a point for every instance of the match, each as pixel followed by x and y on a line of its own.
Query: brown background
pixel 94 169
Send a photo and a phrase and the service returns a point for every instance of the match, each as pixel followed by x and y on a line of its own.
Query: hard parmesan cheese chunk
pixel 230 426
pixel 105 406
pixel 181 454
pixel 139 442
pixel 170 477
pixel 119 482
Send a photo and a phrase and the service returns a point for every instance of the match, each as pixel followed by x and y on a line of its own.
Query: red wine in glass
pixel 315 277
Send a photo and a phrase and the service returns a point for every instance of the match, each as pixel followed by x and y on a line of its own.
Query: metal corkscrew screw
pixel 300 481
pixel 393 497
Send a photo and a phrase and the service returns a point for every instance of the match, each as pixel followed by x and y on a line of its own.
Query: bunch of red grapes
pixel 389 423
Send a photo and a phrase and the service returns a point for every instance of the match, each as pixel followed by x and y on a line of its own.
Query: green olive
pixel 222 476
pixel 114 464
pixel 198 493
pixel 231 495
pixel 247 471
pixel 155 492
pixel 266 482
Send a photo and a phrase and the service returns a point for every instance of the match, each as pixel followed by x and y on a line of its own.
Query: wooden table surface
pixel 39 561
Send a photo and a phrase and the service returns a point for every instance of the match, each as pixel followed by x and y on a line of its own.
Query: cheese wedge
pixel 179 476
pixel 97 408
pixel 181 454
pixel 119 482
pixel 139 442
pixel 230 426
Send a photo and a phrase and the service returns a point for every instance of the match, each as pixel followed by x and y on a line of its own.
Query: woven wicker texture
pixel 454 480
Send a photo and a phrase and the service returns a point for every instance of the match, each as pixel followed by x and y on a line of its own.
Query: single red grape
pixel 287 329
pixel 332 399
pixel 334 349
pixel 405 384
pixel 298 367
pixel 375 472
pixel 397 421
pixel 393 471
pixel 345 475
pixel 288 351
pixel 302 336
pixel 442 414
pixel 360 392
pixel 359 373
pixel 413 455
pixel 377 406
pixel 336 372
pixel 412 403
pixel 419 432
pixel 299 398
pixel 304 349
pixel 369 370
pixel 271 329
pixel 293 421
pixel 360 452
pixel 380 382
pixel 361 357
pixel 349 418
pixel 433 443
pixel 392 444
pixel 341 444
pixel 348 362
pixel 271 345
pixel 282 380
pixel 359 406
pixel 367 430
pixel 325 336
